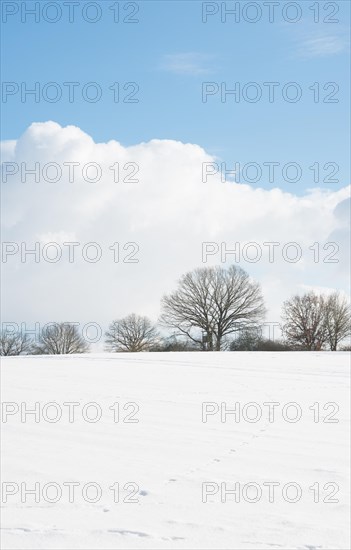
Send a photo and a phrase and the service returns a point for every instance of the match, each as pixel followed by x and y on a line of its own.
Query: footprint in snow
pixel 126 532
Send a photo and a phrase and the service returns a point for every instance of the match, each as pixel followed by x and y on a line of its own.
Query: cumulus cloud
pixel 150 195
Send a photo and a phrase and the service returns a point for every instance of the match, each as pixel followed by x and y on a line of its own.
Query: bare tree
pixel 60 338
pixel 304 321
pixel 132 333
pixel 14 343
pixel 212 302
pixel 337 320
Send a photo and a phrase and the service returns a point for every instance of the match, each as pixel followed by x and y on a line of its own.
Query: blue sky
pixel 169 53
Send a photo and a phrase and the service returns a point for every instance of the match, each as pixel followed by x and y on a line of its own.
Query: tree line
pixel 212 309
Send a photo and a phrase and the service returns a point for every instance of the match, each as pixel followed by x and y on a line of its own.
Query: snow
pixel 170 452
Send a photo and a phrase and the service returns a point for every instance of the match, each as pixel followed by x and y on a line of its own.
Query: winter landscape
pixel 175 329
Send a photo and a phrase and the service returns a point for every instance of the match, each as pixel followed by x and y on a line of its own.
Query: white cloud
pixel 190 63
pixel 169 213
pixel 322 44
pixel 7 149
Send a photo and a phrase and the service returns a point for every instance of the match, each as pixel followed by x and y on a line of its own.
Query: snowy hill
pixel 157 432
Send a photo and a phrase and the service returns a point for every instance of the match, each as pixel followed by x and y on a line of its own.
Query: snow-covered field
pixel 174 466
